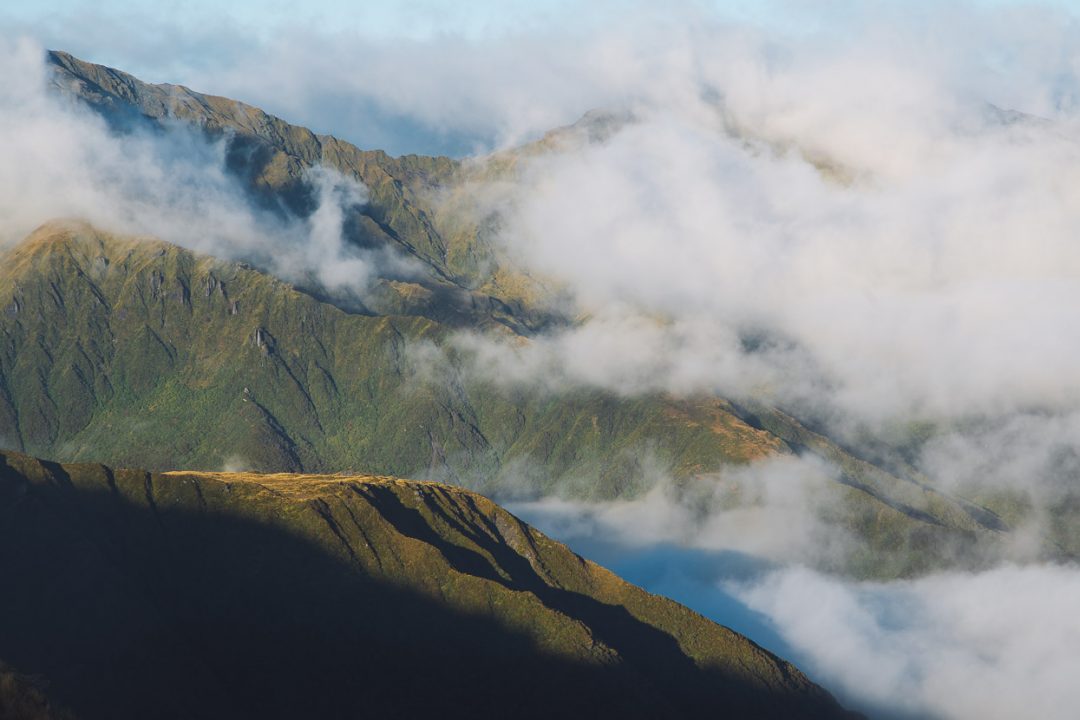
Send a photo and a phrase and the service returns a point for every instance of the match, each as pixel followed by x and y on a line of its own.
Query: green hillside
pixel 136 352
pixel 143 353
pixel 208 595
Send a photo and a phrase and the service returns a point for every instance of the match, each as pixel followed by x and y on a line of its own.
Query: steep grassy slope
pixel 137 352
pixel 195 595
pixel 141 352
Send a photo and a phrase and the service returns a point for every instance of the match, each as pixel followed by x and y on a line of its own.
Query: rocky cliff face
pixel 186 595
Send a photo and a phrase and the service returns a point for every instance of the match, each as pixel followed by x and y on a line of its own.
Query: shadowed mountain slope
pixel 204 595
pixel 25 698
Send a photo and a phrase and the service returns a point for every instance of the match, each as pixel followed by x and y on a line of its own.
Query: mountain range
pixel 309 580
pixel 235 366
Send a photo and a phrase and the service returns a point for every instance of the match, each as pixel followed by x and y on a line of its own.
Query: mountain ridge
pixel 179 360
pixel 239 563
pixel 270 158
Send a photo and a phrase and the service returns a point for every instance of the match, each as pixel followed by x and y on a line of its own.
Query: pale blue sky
pixel 423 18
pixel 404 18
pixel 228 47
pixel 78 25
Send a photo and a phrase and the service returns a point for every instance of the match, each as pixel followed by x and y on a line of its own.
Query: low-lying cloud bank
pixel 769 510
pixel 882 272
pixel 872 227
pixel 998 643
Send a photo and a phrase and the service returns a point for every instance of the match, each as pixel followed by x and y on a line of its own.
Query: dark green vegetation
pixel 135 352
pixel 188 595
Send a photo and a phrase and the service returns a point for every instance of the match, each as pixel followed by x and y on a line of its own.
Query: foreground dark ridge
pixel 184 595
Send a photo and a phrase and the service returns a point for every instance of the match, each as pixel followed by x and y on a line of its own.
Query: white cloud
pixel 937 286
pixel 997 644
pixel 768 509
pixel 1037 447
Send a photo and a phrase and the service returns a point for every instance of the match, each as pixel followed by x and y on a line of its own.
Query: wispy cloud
pixel 997 644
pixel 769 510
pixel 62 160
